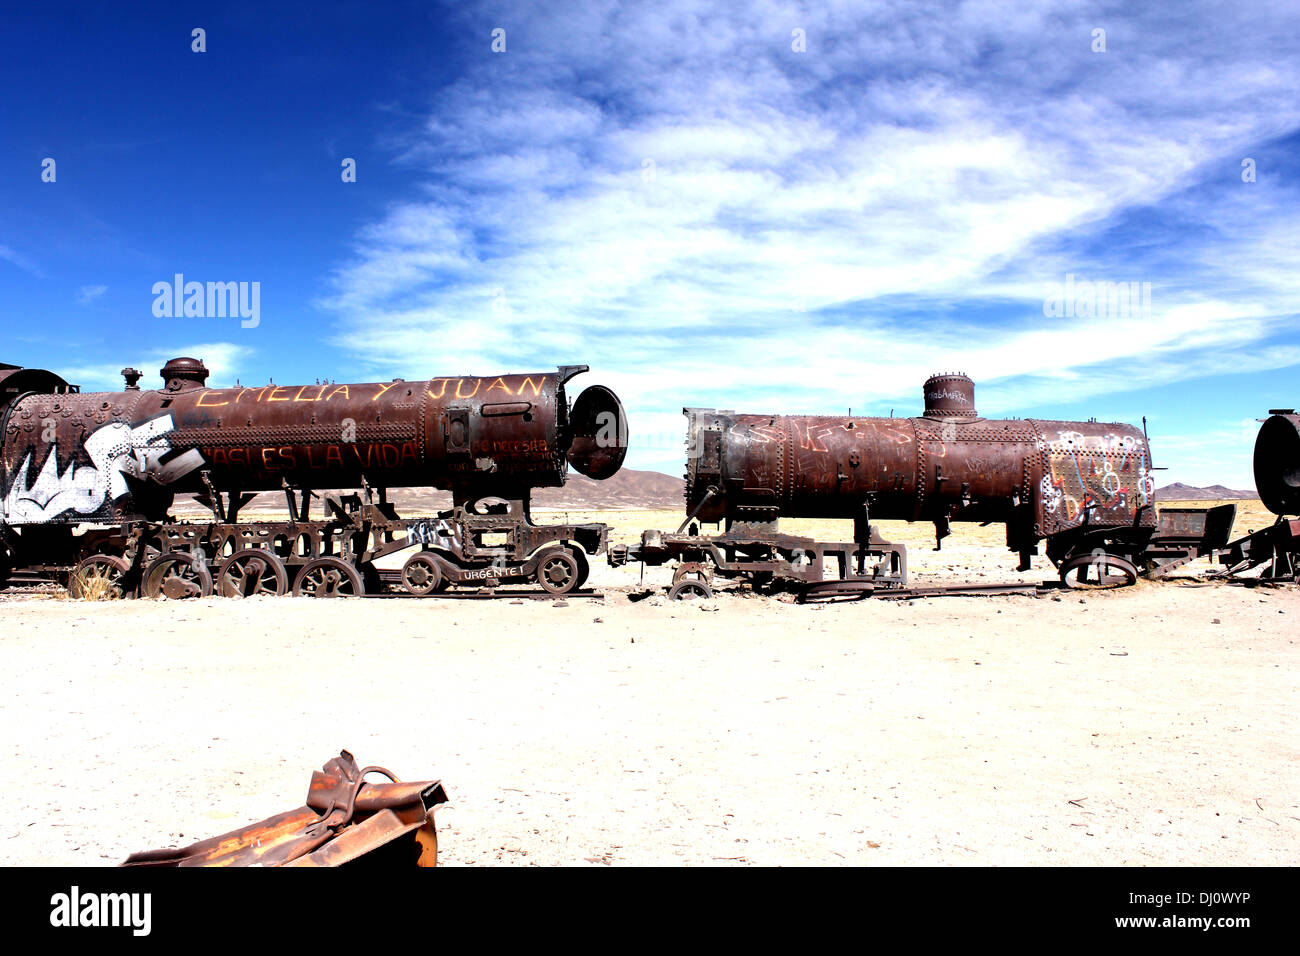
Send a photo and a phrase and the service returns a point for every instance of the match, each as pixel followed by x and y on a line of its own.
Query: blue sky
pixel 679 196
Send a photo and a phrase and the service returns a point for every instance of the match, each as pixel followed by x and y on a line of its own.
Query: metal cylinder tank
pixel 92 456
pixel 1048 476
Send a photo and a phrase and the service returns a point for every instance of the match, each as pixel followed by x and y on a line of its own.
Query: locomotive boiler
pixel 1084 487
pixel 113 462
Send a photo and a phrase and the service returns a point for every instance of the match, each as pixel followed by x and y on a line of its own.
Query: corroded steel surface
pixel 69 461
pixel 1042 477
pixel 1185 534
pixel 1085 487
pixel 101 456
pixel 343 818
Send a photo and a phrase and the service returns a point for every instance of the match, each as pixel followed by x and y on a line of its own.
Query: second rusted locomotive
pixel 88 480
pixel 1084 487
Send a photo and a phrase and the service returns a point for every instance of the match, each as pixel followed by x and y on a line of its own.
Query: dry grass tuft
pixel 94 584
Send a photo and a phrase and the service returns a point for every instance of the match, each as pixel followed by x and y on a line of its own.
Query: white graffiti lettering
pixel 148 447
pixel 116 451
pixel 496 571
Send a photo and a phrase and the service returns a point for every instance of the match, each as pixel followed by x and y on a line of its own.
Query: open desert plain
pixel 1151 725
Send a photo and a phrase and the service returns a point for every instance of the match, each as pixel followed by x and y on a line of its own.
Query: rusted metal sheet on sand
pixel 345 819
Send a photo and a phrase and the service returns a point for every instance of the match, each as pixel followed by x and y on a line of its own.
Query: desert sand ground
pixel 1149 726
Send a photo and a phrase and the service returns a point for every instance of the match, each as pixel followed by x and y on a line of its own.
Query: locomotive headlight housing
pixel 1277 463
pixel 598 430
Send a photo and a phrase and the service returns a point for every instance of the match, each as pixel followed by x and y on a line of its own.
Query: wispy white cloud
pixel 223 360
pixel 14 257
pixel 89 293
pixel 674 195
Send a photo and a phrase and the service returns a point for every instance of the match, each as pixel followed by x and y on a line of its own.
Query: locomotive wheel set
pixel 88 480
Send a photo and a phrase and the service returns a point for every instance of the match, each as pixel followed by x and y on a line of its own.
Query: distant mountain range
pixel 628 490
pixel 1181 492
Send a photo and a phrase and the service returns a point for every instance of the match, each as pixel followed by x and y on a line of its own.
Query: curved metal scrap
pixel 345 818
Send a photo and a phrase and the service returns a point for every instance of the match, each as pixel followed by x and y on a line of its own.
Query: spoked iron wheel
pixel 99 578
pixel 558 572
pixel 176 575
pixel 690 591
pixel 421 574
pixel 1098 571
pixel 328 578
pixel 250 572
pixel 584 567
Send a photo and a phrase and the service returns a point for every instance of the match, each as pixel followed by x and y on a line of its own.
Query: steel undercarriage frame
pixel 178 559
pixel 768 558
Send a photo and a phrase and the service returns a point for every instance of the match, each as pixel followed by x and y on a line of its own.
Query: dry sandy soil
pixel 1153 725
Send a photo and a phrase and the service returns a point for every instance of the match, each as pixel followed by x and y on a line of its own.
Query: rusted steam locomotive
pixel 88 480
pixel 1084 487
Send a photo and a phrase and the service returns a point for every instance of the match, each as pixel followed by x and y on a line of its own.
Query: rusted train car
pixel 88 480
pixel 1085 488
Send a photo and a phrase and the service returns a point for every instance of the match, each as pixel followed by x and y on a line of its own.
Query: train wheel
pixel 98 578
pixel 558 571
pixel 1098 570
pixel 421 574
pixel 690 591
pixel 327 578
pixel 584 567
pixel 250 572
pixel 176 575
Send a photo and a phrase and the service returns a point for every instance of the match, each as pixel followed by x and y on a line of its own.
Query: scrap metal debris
pixel 345 819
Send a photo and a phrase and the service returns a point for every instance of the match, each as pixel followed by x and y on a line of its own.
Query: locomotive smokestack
pixel 950 396
pixel 183 373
